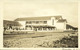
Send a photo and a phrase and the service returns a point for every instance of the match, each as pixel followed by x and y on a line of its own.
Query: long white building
pixel 45 23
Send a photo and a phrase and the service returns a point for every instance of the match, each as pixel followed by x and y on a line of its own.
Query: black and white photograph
pixel 40 24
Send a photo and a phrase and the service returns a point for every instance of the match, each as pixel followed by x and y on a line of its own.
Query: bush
pixel 65 42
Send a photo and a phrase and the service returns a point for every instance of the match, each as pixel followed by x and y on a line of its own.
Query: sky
pixel 34 8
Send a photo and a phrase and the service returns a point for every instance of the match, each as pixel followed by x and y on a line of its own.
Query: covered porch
pixel 41 28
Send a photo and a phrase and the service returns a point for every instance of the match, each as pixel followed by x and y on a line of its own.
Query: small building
pixel 11 25
pixel 69 27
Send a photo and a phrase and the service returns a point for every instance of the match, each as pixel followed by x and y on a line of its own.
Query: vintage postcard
pixel 40 24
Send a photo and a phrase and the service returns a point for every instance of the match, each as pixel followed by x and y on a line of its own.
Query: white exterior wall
pixel 64 25
pixel 61 26
pixel 22 23
pixel 49 22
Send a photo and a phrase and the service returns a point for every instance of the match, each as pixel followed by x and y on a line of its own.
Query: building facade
pixel 46 23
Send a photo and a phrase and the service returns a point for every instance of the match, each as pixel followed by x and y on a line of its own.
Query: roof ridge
pixel 36 18
pixel 40 16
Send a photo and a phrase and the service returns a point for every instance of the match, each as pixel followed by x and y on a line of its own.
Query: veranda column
pixel 42 28
pixel 46 28
pixel 32 28
pixel 36 29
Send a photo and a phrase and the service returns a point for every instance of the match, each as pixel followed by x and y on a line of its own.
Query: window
pixel 52 22
pixel 26 22
pixel 39 28
pixel 37 22
pixel 30 22
pixel 40 22
pixel 33 22
pixel 45 22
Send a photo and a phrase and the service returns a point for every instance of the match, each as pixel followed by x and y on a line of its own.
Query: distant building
pixel 69 27
pixel 47 23
pixel 11 25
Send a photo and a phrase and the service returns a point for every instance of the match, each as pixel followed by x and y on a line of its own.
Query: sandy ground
pixel 24 41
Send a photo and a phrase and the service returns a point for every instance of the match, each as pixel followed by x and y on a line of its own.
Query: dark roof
pixel 12 23
pixel 69 26
pixel 37 18
pixel 62 20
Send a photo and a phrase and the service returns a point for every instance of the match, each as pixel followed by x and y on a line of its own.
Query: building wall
pixel 58 25
pixel 51 22
pixel 22 23
pixel 65 25
pixel 61 26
